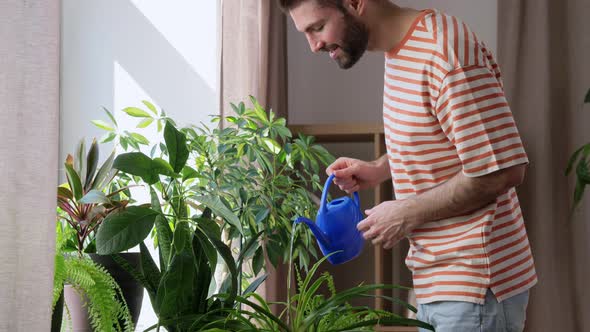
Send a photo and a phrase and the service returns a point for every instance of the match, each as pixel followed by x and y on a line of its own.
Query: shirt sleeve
pixel 475 116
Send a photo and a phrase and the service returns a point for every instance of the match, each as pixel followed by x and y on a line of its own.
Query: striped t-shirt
pixel 445 112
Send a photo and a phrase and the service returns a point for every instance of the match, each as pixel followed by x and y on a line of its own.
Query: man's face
pixel 331 30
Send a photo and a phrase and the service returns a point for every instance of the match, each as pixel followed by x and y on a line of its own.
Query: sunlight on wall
pixel 194 38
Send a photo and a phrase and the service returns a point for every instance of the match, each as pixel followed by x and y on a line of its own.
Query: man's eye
pixel 319 28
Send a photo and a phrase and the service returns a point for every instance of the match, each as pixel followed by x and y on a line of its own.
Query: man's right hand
pixel 353 174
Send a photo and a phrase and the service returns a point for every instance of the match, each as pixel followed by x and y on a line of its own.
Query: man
pixel 453 152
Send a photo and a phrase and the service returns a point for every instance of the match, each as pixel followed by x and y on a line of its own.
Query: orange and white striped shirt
pixel 445 112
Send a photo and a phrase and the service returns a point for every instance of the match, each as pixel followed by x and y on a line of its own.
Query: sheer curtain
pixel 253 62
pixel 544 51
pixel 29 97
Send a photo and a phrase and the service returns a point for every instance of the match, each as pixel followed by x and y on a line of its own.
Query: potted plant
pixel 188 239
pixel 580 158
pixel 82 206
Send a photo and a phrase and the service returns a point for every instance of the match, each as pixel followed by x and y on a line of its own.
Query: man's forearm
pixel 460 195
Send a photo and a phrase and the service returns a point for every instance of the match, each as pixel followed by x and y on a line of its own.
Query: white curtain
pixel 29 117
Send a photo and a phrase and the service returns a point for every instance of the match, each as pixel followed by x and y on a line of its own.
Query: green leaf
pixel 145 122
pixel 108 137
pixel 572 160
pixel 579 192
pixel 102 125
pixel 94 197
pixel 261 215
pixel 248 249
pixel 255 284
pixel 220 209
pixel 91 164
pixel 258 261
pixel 136 112
pixel 176 286
pixel 65 192
pixel 150 106
pixel 80 162
pixel 137 163
pixel 74 181
pixel 99 182
pixel 163 230
pixel 206 246
pixel 176 144
pixel 140 138
pixel 182 236
pixel 225 253
pixel 110 115
pixel 189 173
pixel 124 230
pixel 161 166
pixel 271 145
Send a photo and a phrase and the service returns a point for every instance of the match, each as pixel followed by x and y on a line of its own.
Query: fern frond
pixel 102 295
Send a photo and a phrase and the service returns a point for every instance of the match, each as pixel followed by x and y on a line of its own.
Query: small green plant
pixel 582 157
pixel 310 311
pixel 83 202
pixel 107 310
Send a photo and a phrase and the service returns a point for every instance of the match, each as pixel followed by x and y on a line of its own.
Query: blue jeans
pixel 451 316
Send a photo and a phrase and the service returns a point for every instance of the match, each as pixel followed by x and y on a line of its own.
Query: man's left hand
pixel 386 223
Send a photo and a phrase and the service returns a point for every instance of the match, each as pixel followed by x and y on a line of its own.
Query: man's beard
pixel 355 41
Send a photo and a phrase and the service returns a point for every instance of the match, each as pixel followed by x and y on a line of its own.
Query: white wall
pixel 320 92
pixel 116 53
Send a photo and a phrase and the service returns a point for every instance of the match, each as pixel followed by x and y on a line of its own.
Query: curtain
pixel 253 62
pixel 544 52
pixel 253 54
pixel 29 97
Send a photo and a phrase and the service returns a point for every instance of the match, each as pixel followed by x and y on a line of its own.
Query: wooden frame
pixel 371 133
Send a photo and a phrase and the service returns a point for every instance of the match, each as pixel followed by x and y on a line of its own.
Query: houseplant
pixel 310 311
pixel 253 166
pixel 82 206
pixel 581 159
pixel 188 237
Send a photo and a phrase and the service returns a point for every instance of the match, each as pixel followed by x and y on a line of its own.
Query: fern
pixel 103 296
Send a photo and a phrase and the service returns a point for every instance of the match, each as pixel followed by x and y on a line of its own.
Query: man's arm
pixel 390 221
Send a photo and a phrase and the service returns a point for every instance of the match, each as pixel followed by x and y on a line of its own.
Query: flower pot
pixel 131 289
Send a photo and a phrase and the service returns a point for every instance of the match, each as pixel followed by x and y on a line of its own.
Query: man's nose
pixel 315 45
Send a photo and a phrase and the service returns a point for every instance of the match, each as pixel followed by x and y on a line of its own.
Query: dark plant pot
pixel 132 291
pixel 131 288
pixel 57 315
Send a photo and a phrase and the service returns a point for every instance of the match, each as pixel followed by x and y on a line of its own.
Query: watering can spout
pixel 317 232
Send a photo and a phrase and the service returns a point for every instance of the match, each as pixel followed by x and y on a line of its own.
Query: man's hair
pixel 287 5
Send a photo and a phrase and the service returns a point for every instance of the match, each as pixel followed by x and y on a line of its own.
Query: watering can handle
pixel 325 194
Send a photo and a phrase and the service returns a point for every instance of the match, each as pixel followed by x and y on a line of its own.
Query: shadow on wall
pixel 95 35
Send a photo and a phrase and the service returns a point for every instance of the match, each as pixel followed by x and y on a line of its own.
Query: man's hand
pixel 353 175
pixel 386 223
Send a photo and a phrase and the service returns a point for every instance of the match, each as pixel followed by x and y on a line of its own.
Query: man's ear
pixel 356 6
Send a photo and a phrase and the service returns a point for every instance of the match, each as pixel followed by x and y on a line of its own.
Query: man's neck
pixel 388 24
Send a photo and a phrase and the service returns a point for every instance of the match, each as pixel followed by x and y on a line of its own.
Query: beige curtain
pixel 544 51
pixel 253 62
pixel 29 101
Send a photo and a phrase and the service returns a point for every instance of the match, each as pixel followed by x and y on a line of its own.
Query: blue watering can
pixel 335 227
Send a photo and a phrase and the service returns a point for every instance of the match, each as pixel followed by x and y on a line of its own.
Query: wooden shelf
pixel 343 132
pixel 362 132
